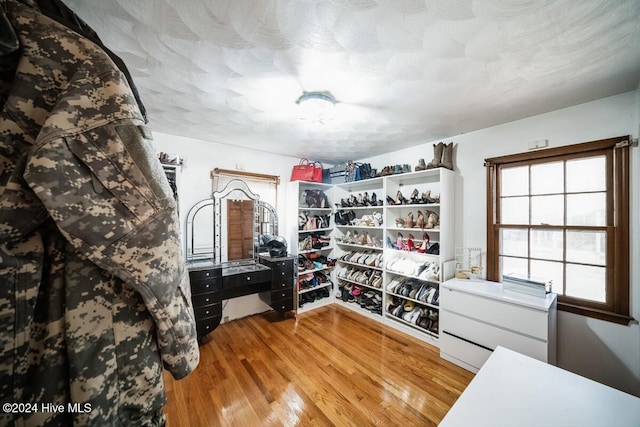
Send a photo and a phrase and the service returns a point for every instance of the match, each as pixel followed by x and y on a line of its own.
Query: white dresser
pixel 476 316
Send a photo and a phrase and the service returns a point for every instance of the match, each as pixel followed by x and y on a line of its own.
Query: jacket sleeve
pixel 108 195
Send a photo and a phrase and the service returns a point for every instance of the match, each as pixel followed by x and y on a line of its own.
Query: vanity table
pixel 215 278
pixel 211 283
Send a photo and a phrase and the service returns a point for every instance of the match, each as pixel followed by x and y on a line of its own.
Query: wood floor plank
pixel 326 367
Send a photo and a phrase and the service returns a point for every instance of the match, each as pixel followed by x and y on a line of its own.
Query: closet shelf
pixel 315 230
pixel 353 245
pixel 315 288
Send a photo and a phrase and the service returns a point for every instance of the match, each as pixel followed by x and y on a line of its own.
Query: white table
pixel 514 390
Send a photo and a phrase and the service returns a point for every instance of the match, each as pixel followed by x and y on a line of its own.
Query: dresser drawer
pixel 282 305
pixel 282 294
pixel 206 285
pixel 490 336
pixel 469 354
pixel 204 326
pixel 205 311
pixel 518 318
pixel 205 274
pixel 282 282
pixel 245 279
pixel 205 299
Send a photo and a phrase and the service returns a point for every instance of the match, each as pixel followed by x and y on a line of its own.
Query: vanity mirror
pixel 230 226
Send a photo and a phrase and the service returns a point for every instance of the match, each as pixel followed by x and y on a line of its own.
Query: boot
pixel 447 156
pixel 437 156
pixel 421 166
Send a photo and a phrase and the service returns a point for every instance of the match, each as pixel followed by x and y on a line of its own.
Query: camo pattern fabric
pixel 94 293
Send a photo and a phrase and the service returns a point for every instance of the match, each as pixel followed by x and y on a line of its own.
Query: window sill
pixel 607 316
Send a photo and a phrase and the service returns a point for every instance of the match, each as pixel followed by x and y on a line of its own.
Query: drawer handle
pixel 283 295
pixel 283 273
pixel 206 299
pixel 283 307
pixel 207 274
pixel 207 312
pixel 248 277
pixel 207 286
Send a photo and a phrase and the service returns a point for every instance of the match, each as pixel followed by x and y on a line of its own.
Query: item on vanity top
pixel 277 247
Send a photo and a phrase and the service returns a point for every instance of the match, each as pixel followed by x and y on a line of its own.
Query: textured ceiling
pixel 404 72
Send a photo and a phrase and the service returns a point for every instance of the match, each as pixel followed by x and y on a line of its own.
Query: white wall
pixel 606 352
pixel 195 185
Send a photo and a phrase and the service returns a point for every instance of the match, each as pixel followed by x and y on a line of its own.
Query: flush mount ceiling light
pixel 316 107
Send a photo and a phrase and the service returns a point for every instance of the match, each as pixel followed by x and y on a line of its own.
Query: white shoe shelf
pixel 373 227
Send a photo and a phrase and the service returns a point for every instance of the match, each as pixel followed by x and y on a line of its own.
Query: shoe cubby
pixel 359 222
pixel 360 298
pixel 312 240
pixel 412 314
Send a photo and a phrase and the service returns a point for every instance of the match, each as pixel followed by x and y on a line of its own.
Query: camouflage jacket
pixel 94 295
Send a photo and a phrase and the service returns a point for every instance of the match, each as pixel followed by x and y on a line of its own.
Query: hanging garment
pixel 94 294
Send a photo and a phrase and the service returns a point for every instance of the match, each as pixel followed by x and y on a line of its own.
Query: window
pixel 563 214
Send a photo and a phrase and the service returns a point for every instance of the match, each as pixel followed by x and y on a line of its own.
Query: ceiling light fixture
pixel 316 107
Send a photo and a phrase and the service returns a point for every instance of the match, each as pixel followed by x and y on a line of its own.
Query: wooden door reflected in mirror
pixel 240 228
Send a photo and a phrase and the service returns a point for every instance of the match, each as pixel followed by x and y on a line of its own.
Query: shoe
pixel 408 223
pixel 432 220
pixel 447 157
pixel 390 200
pixel 409 246
pixel 426 197
pixel 399 243
pixel 425 243
pixel 400 222
pixel 437 156
pixel 421 166
pixel 406 168
pixel 420 220
pixel 390 244
pixel 414 197
pixel 374 199
pixel 401 200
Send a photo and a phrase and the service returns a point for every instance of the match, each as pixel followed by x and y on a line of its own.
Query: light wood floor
pixel 330 367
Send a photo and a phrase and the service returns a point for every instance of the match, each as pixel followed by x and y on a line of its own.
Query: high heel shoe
pixel 365 199
pixel 414 197
pixel 352 202
pixel 425 243
pixel 390 244
pixel 400 222
pixel 426 197
pixel 408 223
pixel 401 199
pixel 374 199
pixel 399 242
pixel 359 200
pixel 432 220
pixel 409 246
pixel 390 200
pixel 420 221
pixel 368 240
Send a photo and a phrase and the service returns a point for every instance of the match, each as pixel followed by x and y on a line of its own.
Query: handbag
pixel 317 172
pixel 326 176
pixel 304 171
